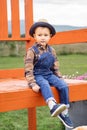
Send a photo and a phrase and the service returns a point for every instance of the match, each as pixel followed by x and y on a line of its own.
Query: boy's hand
pixel 36 88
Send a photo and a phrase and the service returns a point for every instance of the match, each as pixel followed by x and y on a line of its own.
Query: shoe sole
pixel 60 109
pixel 64 123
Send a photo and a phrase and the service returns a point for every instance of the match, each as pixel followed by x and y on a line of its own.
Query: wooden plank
pixel 78 92
pixel 28 20
pixel 15 22
pixel 12 73
pixel 67 37
pixel 15 19
pixel 28 15
pixel 16 39
pixel 3 20
pixel 15 95
pixel 32 118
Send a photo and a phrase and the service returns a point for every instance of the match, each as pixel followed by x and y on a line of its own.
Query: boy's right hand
pixel 36 88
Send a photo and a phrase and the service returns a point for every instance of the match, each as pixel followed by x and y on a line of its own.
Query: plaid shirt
pixel 30 62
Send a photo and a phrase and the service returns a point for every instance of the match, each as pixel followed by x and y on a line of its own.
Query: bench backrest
pixel 67 37
pixel 15 19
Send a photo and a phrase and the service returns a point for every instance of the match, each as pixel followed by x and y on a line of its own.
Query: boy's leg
pixel 48 96
pixel 61 86
pixel 64 98
pixel 45 88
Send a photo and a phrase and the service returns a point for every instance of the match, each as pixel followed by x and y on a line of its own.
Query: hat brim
pixel 42 24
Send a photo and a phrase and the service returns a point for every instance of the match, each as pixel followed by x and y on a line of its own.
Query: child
pixel 41 71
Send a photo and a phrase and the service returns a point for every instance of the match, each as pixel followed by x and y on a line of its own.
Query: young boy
pixel 42 71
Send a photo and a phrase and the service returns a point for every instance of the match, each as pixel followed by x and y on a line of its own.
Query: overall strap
pixel 49 48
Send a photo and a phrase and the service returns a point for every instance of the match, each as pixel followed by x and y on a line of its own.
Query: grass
pixel 11 62
pixel 46 122
pixel 17 120
pixel 71 64
pixel 14 120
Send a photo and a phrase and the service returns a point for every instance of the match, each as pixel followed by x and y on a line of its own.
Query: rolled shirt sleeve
pixel 29 59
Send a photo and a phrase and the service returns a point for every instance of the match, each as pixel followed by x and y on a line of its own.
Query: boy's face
pixel 42 35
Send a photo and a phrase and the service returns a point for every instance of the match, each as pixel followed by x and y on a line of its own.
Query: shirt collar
pixel 41 47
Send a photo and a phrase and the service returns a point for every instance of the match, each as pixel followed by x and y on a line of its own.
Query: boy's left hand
pixel 36 88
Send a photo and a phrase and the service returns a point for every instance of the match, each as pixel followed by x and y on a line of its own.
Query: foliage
pixel 82 77
pixel 17 48
pixel 12 48
pixel 66 49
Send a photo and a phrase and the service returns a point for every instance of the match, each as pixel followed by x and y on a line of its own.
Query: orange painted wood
pixel 28 15
pixel 32 118
pixel 12 73
pixel 16 39
pixel 15 18
pixel 67 37
pixel 15 94
pixel 3 20
pixel 28 20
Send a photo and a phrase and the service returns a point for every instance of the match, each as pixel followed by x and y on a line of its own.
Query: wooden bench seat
pixel 15 94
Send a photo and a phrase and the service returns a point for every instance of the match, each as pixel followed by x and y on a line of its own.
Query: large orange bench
pixel 14 92
pixel 15 95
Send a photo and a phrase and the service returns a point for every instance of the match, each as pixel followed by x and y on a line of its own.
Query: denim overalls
pixel 45 77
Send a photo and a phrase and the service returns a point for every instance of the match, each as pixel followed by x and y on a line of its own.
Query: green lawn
pixel 69 64
pixel 17 120
pixel 11 62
